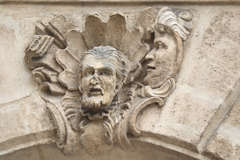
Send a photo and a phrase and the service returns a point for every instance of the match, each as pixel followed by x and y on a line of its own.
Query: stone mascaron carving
pixel 95 82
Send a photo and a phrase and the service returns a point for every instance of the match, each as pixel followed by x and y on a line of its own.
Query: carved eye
pixel 89 71
pixel 160 44
pixel 105 72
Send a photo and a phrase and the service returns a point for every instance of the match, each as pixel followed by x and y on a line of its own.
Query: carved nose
pixel 94 80
pixel 150 55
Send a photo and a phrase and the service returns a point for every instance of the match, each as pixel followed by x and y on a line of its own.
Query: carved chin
pixel 148 79
pixel 93 103
pixel 152 80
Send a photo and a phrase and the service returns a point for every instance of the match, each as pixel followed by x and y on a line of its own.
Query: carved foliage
pixel 106 75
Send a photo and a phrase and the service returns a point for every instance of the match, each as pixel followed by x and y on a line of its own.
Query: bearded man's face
pixel 98 82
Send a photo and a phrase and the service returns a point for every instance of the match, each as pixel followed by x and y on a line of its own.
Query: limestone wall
pixel 200 119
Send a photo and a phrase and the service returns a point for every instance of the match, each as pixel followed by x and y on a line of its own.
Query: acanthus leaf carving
pixel 106 75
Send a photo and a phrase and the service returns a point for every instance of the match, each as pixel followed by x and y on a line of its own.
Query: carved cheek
pixel 172 49
pixel 85 83
pixel 157 56
pixel 110 85
pixel 108 81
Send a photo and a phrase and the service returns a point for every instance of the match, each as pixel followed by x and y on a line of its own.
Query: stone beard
pixel 103 72
pixel 98 82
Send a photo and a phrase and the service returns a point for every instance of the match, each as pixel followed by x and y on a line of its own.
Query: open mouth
pixel 95 92
pixel 150 67
pixel 149 64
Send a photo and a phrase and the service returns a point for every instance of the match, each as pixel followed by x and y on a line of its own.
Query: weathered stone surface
pixel 226 144
pixel 95 73
pixel 17 85
pixel 130 1
pixel 141 151
pixel 183 127
pixel 24 123
pixel 207 79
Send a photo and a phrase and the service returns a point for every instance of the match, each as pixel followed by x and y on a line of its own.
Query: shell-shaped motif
pixel 113 33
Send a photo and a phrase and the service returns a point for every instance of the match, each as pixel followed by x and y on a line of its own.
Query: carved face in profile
pixel 161 59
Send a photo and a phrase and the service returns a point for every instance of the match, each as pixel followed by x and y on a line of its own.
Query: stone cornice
pixel 122 1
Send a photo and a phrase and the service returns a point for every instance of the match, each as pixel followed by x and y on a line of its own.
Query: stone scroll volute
pixel 95 82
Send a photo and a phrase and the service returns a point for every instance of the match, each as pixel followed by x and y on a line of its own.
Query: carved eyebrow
pixel 89 67
pixel 164 44
pixel 157 41
pixel 106 68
